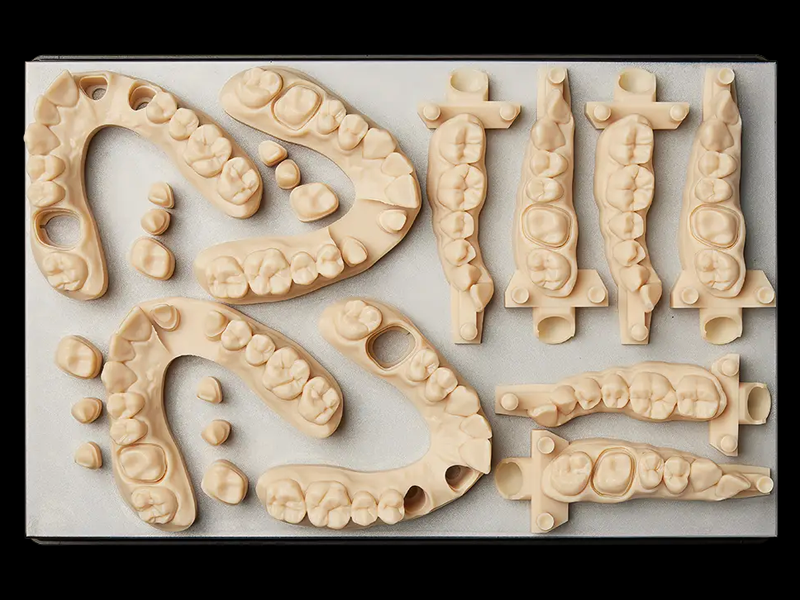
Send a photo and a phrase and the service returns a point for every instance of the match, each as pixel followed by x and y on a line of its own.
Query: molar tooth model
pixel 460 450
pixel 290 106
pixel 148 466
pixel 715 278
pixel 457 190
pixel 609 471
pixel 68 115
pixel 624 183
pixel 649 391
pixel 545 224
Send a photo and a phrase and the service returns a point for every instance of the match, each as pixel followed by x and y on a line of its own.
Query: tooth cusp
pixel 225 278
pixel 284 501
pixel 440 384
pixel 286 373
pixel 357 319
pixel 319 401
pixel 328 504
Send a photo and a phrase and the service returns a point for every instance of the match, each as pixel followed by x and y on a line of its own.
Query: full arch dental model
pixel 624 183
pixel 715 278
pixel 71 111
pixel 290 106
pixel 609 471
pixel 545 233
pixel 148 466
pixel 460 450
pixel 649 391
pixel 457 191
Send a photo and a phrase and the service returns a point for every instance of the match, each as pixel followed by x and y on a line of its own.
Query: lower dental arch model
pixel 459 454
pixel 148 466
pixel 71 111
pixel 290 106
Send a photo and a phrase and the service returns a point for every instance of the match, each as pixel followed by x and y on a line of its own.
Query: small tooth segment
pixel 296 107
pixel 330 116
pixel 364 509
pixel 161 195
pixel 259 349
pixel 481 293
pixel 63 91
pixel 127 431
pixel 155 505
pixel 136 327
pixel 392 221
pixel 65 271
pixel 45 193
pixel 44 168
pixel 477 454
pixel 216 432
pixel 357 320
pixel 183 124
pixel 155 221
pixel 351 131
pixel 378 143
pixel 271 153
pixel 731 484
pixel 463 401
pixel 396 165
pixel 152 258
pixel 78 357
pixel 476 426
pixel 403 191
pixel 207 150
pixel 214 324
pixel 257 87
pixel 236 336
pixel 125 405
pixel 284 501
pixel 328 504
pixel 238 181
pixel 225 278
pixel 287 174
pixel 86 410
pixel 313 201
pixel 161 108
pixel 39 139
pixel 225 482
pixel 422 365
pixel 440 384
pixel 546 414
pixel 89 456
pixel 267 272
pixel 286 374
pixel 145 463
pixel 391 507
pixel 209 390
pixel 45 112
pixel 329 261
pixel 319 401
pixel 303 269
pixel 353 252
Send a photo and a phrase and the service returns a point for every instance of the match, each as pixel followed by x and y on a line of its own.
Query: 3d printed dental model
pixel 209 389
pixel 545 232
pixel 457 190
pixel 152 258
pixel 89 456
pixel 68 115
pixel 216 432
pixel 87 410
pixel 148 466
pixel 610 471
pixel 460 450
pixel 156 221
pixel 715 279
pixel 225 482
pixel 78 357
pixel 624 184
pixel 649 391
pixel 161 195
pixel 290 106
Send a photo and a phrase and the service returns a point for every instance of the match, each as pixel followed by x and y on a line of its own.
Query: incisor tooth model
pixel 460 450
pixel 715 279
pixel 457 190
pixel 545 232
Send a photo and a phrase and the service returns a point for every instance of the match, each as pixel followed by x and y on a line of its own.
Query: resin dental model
pixel 78 357
pixel 161 195
pixel 225 482
pixel 152 258
pixel 216 433
pixel 715 279
pixel 545 233
pixel 609 471
pixel 148 466
pixel 89 456
pixel 156 221
pixel 68 115
pixel 87 410
pixel 290 106
pixel 624 183
pixel 460 449
pixel 457 190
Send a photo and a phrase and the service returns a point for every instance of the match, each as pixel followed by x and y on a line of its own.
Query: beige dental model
pixel 225 482
pixel 715 279
pixel 545 233
pixel 457 190
pixel 216 433
pixel 288 105
pixel 87 410
pixel 148 466
pixel 624 183
pixel 89 456
pixel 649 391
pixel 609 471
pixel 78 357
pixel 460 450
pixel 68 115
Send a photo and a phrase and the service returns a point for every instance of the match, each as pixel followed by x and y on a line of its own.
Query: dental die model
pixel 624 183
pixel 545 232
pixel 457 190
pixel 715 279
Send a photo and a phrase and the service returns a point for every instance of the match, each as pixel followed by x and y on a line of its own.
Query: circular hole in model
pixel 58 228
pixel 722 330
pixel 508 478
pixel 469 81
pixel 140 96
pixel 636 81
pixel 94 86
pixel 391 347
pixel 554 330
pixel 416 500
pixel 459 477
pixel 758 403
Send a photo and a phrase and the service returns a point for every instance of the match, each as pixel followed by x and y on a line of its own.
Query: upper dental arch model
pixel 457 190
pixel 290 106
pixel 624 183
pixel 68 115
pixel 715 278
pixel 545 232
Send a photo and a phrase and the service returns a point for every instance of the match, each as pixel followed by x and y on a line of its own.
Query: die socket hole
pixel 58 228
pixel 416 500
pixel 140 96
pixel 459 477
pixel 469 81
pixel 508 478
pixel 554 330
pixel 390 347
pixel 636 81
pixel 759 403
pixel 94 86
pixel 722 330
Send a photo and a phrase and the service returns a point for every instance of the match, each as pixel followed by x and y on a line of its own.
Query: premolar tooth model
pixel 715 279
pixel 457 190
pixel 460 450
pixel 71 111
pixel 649 391
pixel 609 471
pixel 545 231
pixel 290 106
pixel 624 183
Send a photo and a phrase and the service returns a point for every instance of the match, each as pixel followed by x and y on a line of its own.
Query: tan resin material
pixel 225 482
pixel 78 357
pixel 457 190
pixel 271 153
pixel 624 183
pixel 152 258
pixel 313 201
pixel 460 449
pixel 649 391
pixel 209 390
pixel 87 410
pixel 610 471
pixel 545 233
pixel 156 221
pixel 68 115
pixel 216 433
pixel 148 466
pixel 89 456
pixel 288 105
pixel 287 174
pixel 715 279
pixel 161 194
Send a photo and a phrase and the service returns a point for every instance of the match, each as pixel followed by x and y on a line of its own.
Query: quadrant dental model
pixel 609 471
pixel 715 279
pixel 545 233
pixel 457 190
pixel 624 183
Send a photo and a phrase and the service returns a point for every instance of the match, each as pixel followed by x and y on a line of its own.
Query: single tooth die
pixel 89 456
pixel 225 482
pixel 78 357
pixel 152 258
pixel 86 410
pixel 216 432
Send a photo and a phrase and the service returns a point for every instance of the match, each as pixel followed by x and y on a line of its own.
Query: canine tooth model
pixel 609 471
pixel 715 279
pixel 545 230
pixel 457 190
pixel 290 106
pixel 148 466
pixel 460 450
pixel 71 111
pixel 624 183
